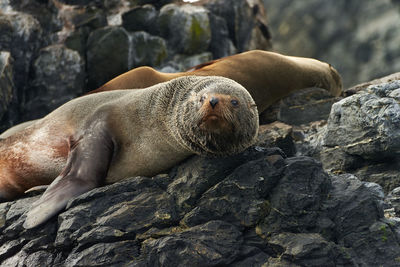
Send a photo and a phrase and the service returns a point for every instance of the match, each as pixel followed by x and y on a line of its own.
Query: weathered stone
pixel 141 18
pixel 185 63
pixel 277 134
pixel 105 254
pixel 245 20
pixel 367 124
pixel 108 52
pixel 393 198
pixel 221 45
pixel 207 249
pixel 296 201
pixel 310 250
pixel 6 81
pixel 59 75
pixel 147 50
pixel 186 28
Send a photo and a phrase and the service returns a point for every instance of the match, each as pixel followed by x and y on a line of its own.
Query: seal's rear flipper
pixel 86 169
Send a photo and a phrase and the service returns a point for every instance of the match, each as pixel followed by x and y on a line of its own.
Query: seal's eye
pixel 234 102
pixel 202 99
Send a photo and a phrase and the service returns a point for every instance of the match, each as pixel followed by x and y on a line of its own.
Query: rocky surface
pixel 256 208
pixel 359 38
pixel 112 37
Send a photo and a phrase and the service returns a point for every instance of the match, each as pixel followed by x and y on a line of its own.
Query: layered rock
pixel 256 208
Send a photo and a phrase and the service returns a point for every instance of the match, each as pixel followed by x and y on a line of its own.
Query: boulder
pixel 186 28
pixel 146 50
pixel 59 75
pixel 108 51
pixel 141 18
pixel 246 21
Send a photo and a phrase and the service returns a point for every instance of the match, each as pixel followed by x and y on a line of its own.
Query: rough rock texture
pixel 114 36
pixel 361 136
pixel 6 81
pixel 58 77
pixel 186 27
pixel 247 210
pixel 359 38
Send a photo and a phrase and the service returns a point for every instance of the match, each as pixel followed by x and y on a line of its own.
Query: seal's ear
pixel 251 105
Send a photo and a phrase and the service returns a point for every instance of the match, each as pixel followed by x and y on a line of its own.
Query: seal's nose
pixel 213 101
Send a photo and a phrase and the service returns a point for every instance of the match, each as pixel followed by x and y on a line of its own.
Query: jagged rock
pixel 354 89
pixel 277 134
pixel 220 45
pixel 6 81
pixel 365 125
pixel 393 198
pixel 141 18
pixel 147 49
pixel 245 20
pixel 108 51
pixel 16 31
pixel 370 51
pixel 59 75
pixel 252 209
pixel 186 28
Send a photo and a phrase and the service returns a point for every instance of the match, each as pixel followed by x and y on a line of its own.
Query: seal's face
pixel 224 121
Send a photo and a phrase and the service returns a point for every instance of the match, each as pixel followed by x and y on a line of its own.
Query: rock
pixel 16 30
pixel 108 51
pixel 141 18
pixel 361 44
pixel 184 62
pixel 354 89
pixel 186 28
pixel 310 250
pixel 393 198
pixel 245 20
pixel 252 209
pixel 147 50
pixel 306 106
pixel 367 125
pixel 198 246
pixel 277 134
pixel 59 75
pixel 6 81
pixel 221 45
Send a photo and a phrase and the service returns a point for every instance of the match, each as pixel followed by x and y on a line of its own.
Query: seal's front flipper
pixel 86 168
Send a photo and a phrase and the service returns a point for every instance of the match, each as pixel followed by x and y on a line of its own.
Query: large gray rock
pixel 251 209
pixel 246 21
pixel 6 81
pixel 108 51
pixel 59 76
pixel 367 124
pixel 146 49
pixel 141 18
pixel 186 28
pixel 359 38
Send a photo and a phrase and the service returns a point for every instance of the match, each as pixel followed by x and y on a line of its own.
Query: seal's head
pixel 218 118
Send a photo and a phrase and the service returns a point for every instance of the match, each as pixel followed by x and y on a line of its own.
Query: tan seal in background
pixel 105 137
pixel 268 77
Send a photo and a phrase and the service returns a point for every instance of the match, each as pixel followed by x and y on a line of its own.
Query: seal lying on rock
pixel 105 137
pixel 266 75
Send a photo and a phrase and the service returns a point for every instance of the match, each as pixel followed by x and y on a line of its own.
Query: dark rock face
pixel 58 78
pixel 251 209
pixel 6 81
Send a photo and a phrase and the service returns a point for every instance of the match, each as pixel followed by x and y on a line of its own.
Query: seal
pixel 105 137
pixel 268 77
